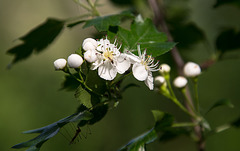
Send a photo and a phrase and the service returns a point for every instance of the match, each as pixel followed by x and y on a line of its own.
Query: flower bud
pixel 159 80
pixel 60 64
pixel 180 82
pixel 90 56
pixel 75 61
pixel 165 68
pixel 191 69
pixel 89 44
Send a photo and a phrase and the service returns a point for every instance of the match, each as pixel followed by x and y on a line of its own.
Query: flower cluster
pixel 190 70
pixel 105 57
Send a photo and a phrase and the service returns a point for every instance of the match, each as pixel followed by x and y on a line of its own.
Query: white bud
pixel 89 44
pixel 90 56
pixel 180 82
pixel 60 63
pixel 164 68
pixel 159 80
pixel 191 69
pixel 75 61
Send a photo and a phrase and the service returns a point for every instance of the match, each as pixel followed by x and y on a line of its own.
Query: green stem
pixel 195 80
pixel 183 90
pixel 184 125
pixel 93 7
pixel 82 5
pixel 174 98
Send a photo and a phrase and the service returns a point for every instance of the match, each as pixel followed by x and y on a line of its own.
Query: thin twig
pixel 160 21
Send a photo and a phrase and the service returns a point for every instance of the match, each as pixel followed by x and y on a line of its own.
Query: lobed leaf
pixel 37 39
pixel 222 102
pixel 139 142
pixel 145 34
pixel 228 40
pixel 51 130
pixel 83 96
pixel 103 23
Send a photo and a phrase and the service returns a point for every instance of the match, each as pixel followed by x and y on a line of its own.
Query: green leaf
pixel 223 2
pixel 103 23
pixel 228 40
pixel 145 34
pixel 70 83
pixel 97 84
pixel 37 39
pixel 222 102
pixel 83 96
pixel 76 23
pixel 51 130
pixel 99 111
pixel 158 115
pixel 172 133
pixel 140 142
pixel 236 123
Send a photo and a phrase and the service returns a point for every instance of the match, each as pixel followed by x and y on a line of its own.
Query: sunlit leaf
pixel 145 34
pixel 223 2
pixel 37 39
pixel 228 40
pixel 103 23
pixel 222 102
pixel 83 97
pixel 51 130
pixel 139 142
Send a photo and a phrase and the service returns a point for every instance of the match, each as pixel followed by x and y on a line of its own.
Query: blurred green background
pixel 30 96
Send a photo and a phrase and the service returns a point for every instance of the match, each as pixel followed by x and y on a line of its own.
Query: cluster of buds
pixel 190 70
pixel 105 57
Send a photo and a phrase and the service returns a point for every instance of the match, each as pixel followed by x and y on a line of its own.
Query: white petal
pixel 107 71
pixel 90 56
pixel 122 63
pixel 149 81
pixel 139 72
pixel 96 64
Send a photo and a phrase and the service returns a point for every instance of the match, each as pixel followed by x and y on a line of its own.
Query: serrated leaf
pixel 145 34
pixel 97 84
pixel 140 142
pixel 222 102
pixel 228 40
pixel 70 83
pixel 164 121
pixel 37 39
pixel 51 130
pixel 103 23
pixel 83 97
pixel 223 2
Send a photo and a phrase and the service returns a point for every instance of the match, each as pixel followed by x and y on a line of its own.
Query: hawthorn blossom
pixel 143 66
pixel 109 60
pixel 180 82
pixel 74 61
pixel 191 69
pixel 60 64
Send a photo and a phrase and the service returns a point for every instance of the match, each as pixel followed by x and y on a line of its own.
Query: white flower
pixel 191 69
pixel 74 61
pixel 109 60
pixel 90 55
pixel 180 82
pixel 89 44
pixel 164 68
pixel 60 63
pixel 159 80
pixel 143 67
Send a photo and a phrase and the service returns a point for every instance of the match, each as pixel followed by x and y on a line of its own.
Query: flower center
pixel 108 55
